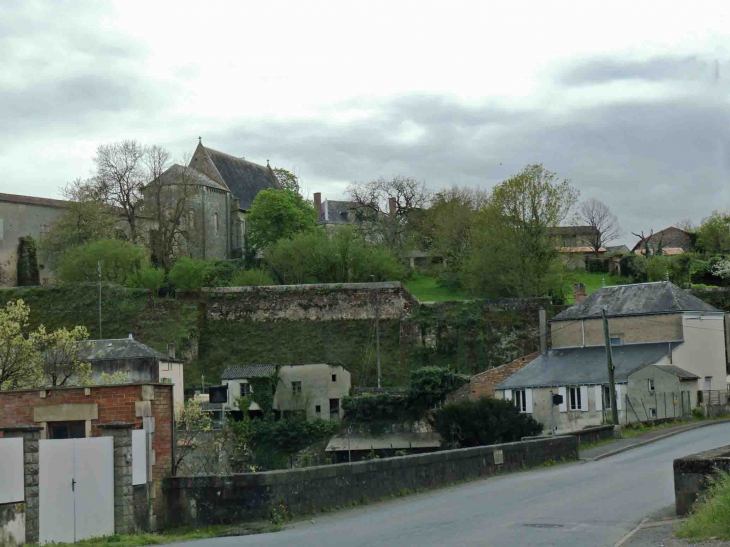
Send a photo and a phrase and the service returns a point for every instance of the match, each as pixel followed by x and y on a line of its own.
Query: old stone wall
pixel 692 473
pixel 482 384
pixel 225 499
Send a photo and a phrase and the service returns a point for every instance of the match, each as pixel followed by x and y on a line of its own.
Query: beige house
pixel 316 390
pixel 660 335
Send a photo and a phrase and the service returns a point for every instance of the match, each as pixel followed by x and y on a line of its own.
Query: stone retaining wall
pixel 691 475
pixel 233 498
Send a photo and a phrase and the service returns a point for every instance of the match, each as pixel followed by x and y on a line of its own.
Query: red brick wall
pixel 116 404
pixel 482 384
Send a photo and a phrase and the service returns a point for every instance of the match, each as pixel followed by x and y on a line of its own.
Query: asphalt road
pixel 582 504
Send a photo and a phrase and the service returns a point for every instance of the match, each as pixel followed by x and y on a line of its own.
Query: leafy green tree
pixel 18 355
pixel 287 179
pixel 148 277
pixel 119 259
pixel 339 256
pixel 713 235
pixel 188 274
pixel 279 214
pixel 483 422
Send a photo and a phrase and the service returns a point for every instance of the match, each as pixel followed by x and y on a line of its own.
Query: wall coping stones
pixel 21 427
pixel 691 475
pixel 397 285
pixel 117 425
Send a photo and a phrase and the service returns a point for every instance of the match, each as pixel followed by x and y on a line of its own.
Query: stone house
pixel 139 362
pixel 573 244
pixel 315 390
pixel 482 384
pixel 650 324
pixel 668 238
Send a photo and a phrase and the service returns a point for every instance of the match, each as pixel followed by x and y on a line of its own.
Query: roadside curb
pixel 655 439
pixel 646 523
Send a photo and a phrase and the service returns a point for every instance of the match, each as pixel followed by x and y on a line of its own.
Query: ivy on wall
pixel 28 272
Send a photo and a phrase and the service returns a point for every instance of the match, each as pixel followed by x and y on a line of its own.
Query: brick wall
pixel 482 384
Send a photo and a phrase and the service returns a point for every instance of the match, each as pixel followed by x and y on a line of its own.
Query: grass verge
pixel 639 429
pixel 592 281
pixel 426 289
pixel 175 535
pixel 710 518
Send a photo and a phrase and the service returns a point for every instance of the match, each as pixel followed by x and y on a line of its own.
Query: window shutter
pixel 619 396
pixel 564 405
pixel 528 401
pixel 507 394
pixel 584 398
pixel 599 397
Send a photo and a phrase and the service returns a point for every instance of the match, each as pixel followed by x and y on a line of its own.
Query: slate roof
pixel 579 366
pixel 238 372
pixel 678 372
pixel 179 173
pixel 637 299
pixel 245 179
pixel 124 348
pixel 337 211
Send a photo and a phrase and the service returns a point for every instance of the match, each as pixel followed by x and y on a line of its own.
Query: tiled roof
pixel 32 200
pixel 238 372
pixel 665 250
pixel 637 299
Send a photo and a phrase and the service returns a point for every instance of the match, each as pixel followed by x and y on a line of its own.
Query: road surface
pixel 581 504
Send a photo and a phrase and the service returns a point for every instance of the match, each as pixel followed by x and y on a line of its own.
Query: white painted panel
pixel 584 398
pixel 528 401
pixel 139 457
pixel 507 394
pixel 564 405
pixel 55 490
pixel 94 472
pixel 11 471
pixel 599 397
pixel 620 392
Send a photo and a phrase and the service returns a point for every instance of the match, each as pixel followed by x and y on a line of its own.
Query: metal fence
pixel 656 406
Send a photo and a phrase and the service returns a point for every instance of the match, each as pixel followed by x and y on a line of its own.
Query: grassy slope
pixel 424 288
pixel 592 281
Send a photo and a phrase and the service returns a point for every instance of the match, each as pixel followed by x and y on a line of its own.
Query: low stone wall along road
pixel 578 504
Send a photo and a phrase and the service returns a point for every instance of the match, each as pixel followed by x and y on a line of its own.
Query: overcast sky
pixel 629 101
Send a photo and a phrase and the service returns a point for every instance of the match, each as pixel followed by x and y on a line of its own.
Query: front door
pixel 76 489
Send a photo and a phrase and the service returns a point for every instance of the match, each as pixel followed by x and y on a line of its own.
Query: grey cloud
pixel 657 69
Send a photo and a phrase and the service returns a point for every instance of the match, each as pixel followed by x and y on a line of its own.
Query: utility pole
pixel 377 330
pixel 611 380
pixel 98 268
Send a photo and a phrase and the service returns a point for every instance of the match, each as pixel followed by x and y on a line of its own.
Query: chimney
pixel 130 336
pixel 171 349
pixel 392 206
pixel 579 292
pixel 235 204
pixel 318 204
pixel 543 331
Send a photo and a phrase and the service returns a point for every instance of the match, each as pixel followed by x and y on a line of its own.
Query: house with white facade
pixel 314 389
pixel 666 345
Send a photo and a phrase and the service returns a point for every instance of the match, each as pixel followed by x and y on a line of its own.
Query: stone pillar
pixel 30 435
pixel 124 522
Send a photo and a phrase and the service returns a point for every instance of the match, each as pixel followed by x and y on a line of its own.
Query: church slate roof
pixel 637 299
pixel 176 174
pixel 245 179
pixel 337 211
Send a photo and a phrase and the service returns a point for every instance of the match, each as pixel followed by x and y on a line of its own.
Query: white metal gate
pixel 76 489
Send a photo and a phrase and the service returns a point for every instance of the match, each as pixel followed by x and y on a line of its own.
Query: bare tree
pixel 382 206
pixel 597 215
pixel 119 177
pixel 645 241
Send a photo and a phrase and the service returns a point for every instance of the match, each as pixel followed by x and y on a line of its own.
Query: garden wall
pixel 227 499
pixel 691 475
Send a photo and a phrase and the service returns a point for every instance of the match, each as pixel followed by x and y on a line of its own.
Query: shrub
pixel 634 266
pixel 483 422
pixel 219 273
pixel 119 259
pixel 149 278
pixel 251 278
pixel 698 413
pixel 597 265
pixel 188 274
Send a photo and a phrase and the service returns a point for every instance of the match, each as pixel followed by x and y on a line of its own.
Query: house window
pixel 245 390
pixel 520 400
pixel 651 385
pixel 575 402
pixel 318 409
pixel 45 228
pixel 334 377
pixel 708 383
pixel 607 397
pixel 652 413
pixel 67 430
pixel 216 222
pixel 615 340
pixel 296 388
